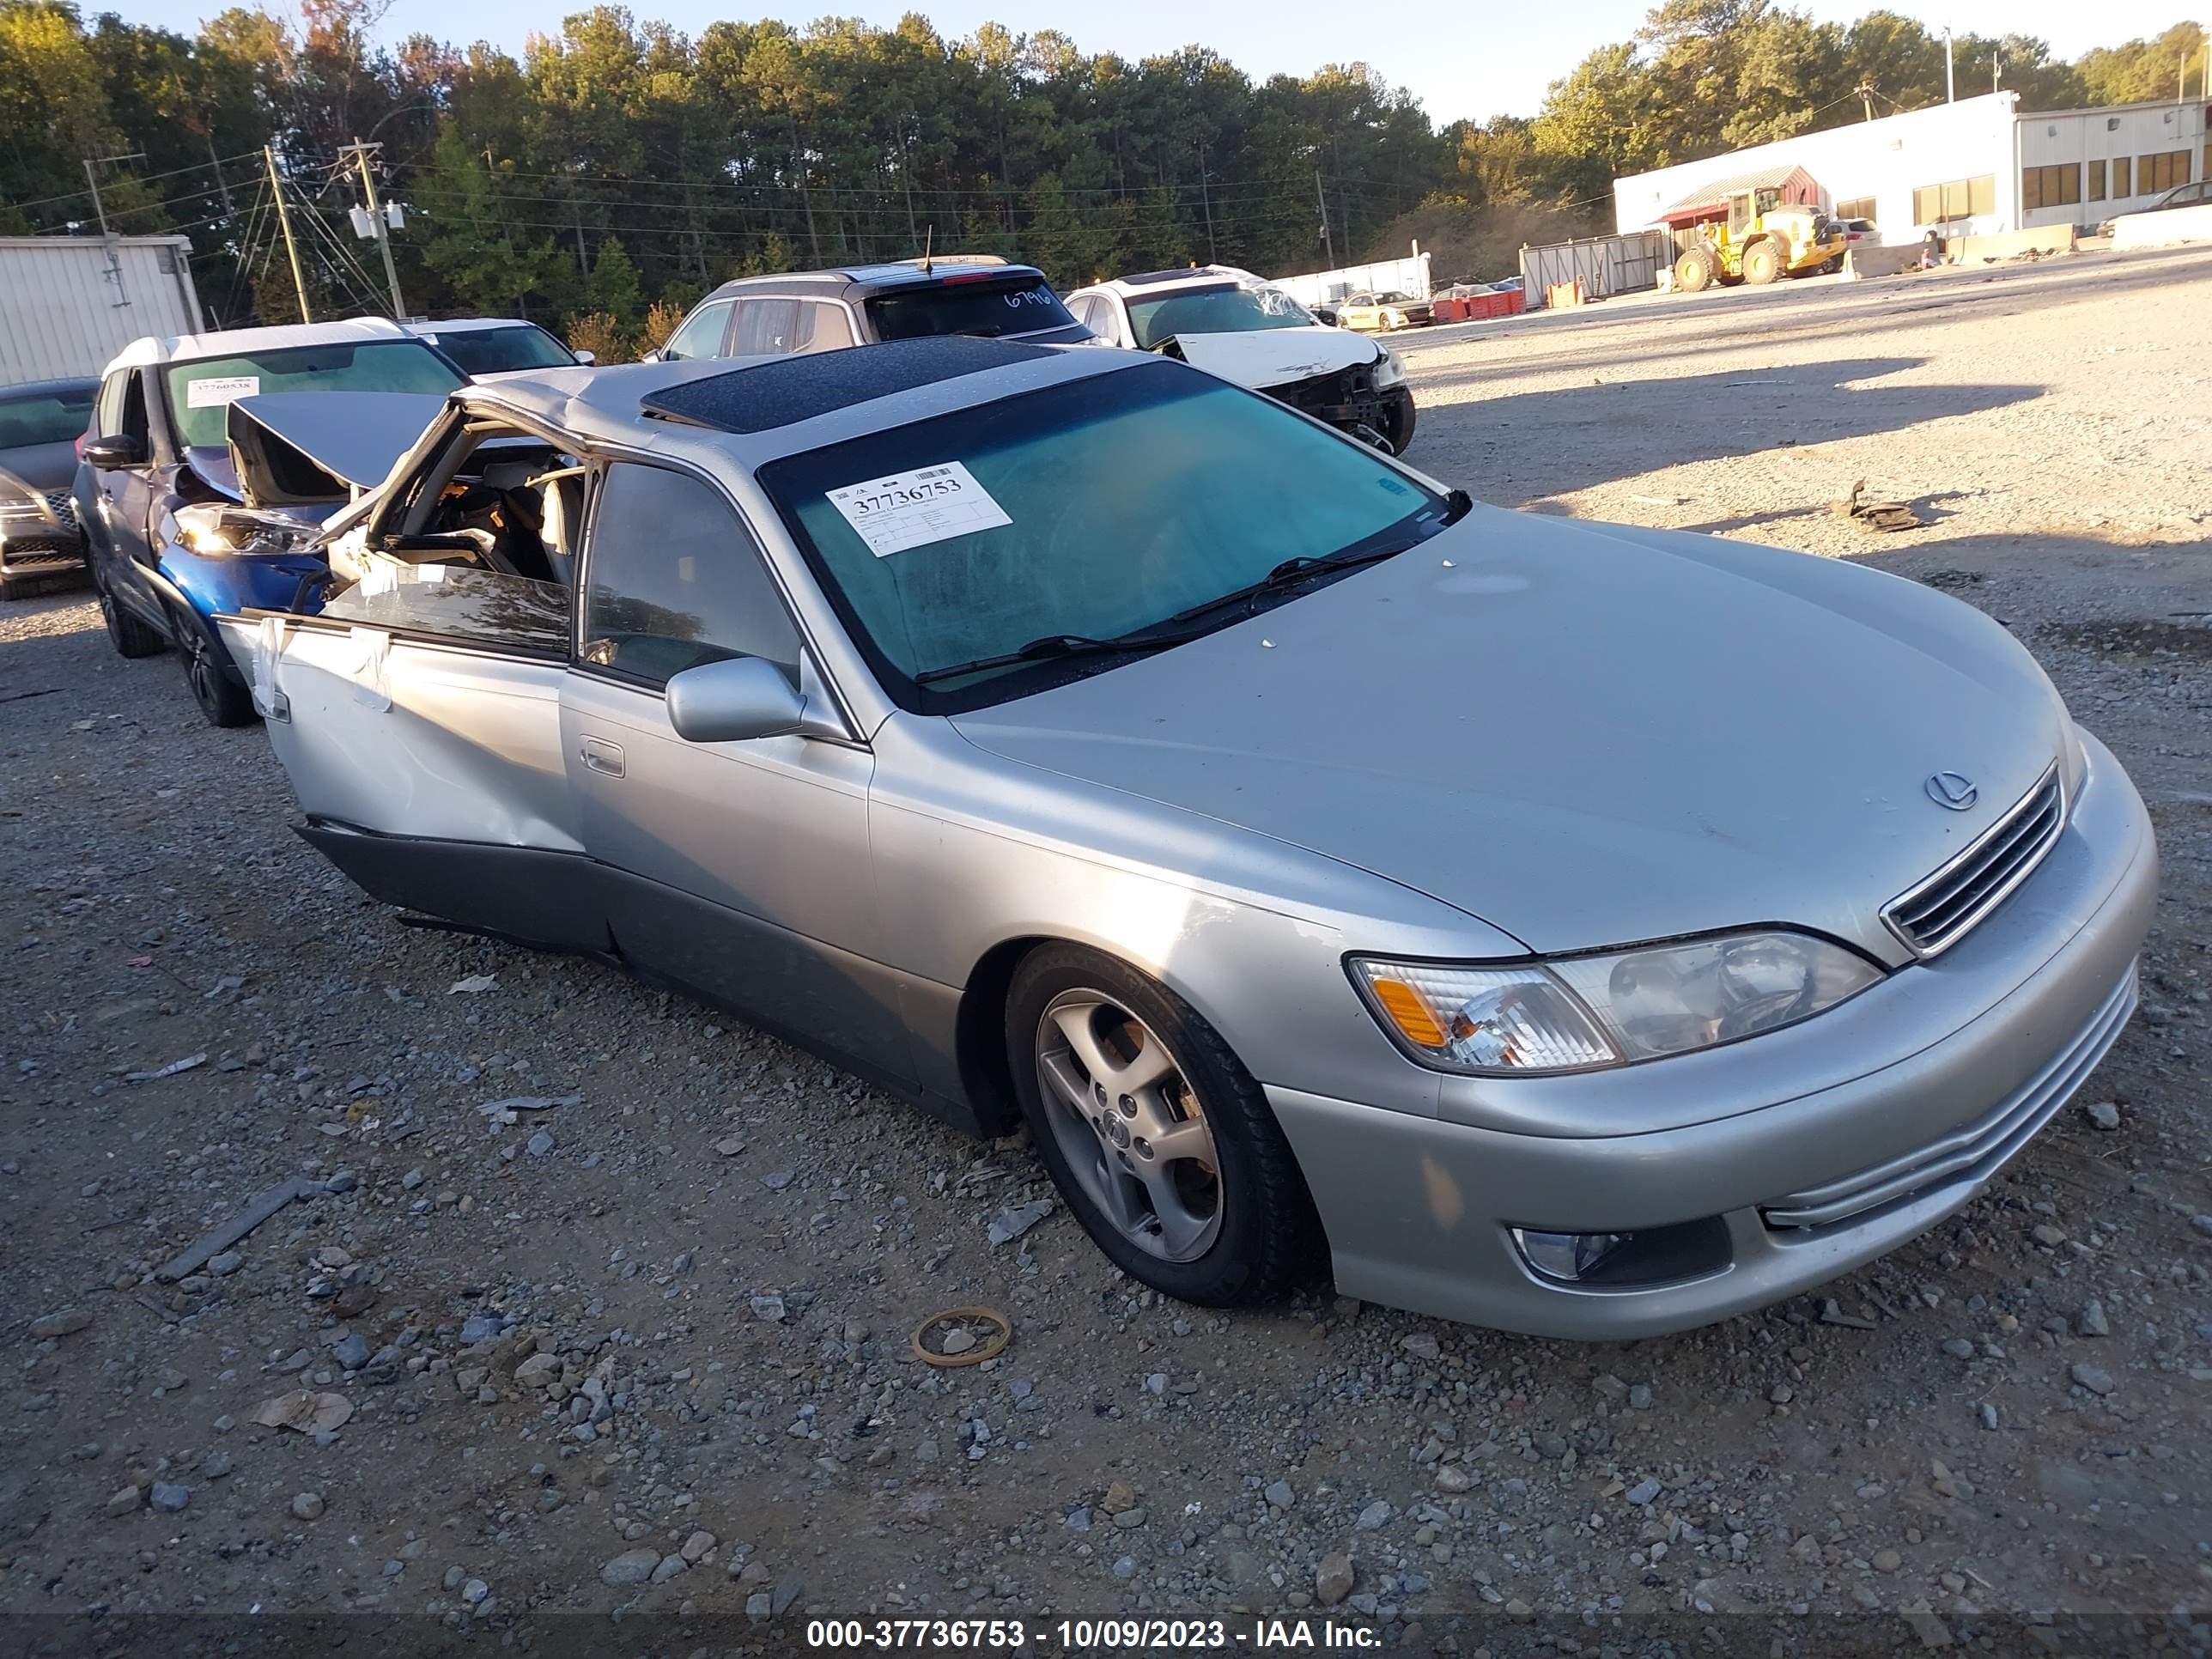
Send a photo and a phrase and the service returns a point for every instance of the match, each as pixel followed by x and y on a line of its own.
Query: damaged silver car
pixel 1564 928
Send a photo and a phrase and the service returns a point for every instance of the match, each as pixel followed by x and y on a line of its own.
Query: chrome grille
pixel 1976 1151
pixel 1939 912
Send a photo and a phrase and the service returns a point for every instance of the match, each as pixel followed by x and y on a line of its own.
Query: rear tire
pixel 207 673
pixel 1694 271
pixel 130 636
pixel 1225 1221
pixel 1762 264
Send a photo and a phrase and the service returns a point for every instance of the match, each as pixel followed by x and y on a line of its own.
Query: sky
pixel 1474 58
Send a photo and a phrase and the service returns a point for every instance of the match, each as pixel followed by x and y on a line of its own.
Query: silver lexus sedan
pixel 1569 928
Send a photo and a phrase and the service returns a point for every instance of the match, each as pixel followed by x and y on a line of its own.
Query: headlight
pixel 1389 370
pixel 215 531
pixel 13 509
pixel 1576 1013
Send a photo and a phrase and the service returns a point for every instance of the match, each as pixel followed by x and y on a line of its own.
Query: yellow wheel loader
pixel 1762 240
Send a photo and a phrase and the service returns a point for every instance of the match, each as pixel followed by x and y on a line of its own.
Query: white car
pixel 492 348
pixel 1233 324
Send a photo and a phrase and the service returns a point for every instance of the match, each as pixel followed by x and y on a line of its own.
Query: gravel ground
pixel 637 1342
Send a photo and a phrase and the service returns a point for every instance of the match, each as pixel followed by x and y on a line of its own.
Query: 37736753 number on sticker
pixel 905 510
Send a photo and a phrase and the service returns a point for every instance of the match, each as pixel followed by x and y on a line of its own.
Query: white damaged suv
pixel 1235 325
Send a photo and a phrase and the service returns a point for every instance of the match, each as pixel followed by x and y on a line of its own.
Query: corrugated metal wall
pixel 1603 264
pixel 64 313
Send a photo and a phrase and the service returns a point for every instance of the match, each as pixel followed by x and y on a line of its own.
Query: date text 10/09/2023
pixel 1012 1637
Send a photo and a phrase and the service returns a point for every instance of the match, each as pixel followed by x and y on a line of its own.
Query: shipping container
pixel 67 304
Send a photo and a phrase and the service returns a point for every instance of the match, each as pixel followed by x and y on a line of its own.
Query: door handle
pixel 604 758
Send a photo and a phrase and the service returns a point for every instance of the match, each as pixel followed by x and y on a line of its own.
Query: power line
pixel 139 178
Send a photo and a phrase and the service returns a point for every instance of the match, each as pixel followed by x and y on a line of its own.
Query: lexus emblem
pixel 1954 790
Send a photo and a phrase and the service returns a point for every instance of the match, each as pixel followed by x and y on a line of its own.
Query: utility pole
pixel 92 165
pixel 360 151
pixel 1865 90
pixel 1212 255
pixel 222 184
pixel 1327 242
pixel 1996 68
pixel 284 218
pixel 1950 83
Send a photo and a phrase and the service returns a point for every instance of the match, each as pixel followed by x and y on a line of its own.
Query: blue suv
pixel 205 476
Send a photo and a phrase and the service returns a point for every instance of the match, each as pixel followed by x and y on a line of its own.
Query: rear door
pixel 418 719
pixel 738 870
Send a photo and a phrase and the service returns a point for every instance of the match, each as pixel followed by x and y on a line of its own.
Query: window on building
pixel 1961 198
pixel 2121 186
pixel 2156 174
pixel 1859 206
pixel 2051 186
pixel 2096 181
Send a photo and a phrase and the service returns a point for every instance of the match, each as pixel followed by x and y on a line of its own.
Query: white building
pixel 1973 168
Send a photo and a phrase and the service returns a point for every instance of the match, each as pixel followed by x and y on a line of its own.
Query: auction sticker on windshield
pixel 226 389
pixel 912 509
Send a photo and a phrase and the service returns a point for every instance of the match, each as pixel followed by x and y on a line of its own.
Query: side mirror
pixel 115 450
pixel 662 356
pixel 733 701
pixel 588 358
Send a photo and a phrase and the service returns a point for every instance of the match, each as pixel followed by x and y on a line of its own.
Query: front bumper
pixel 1874 1145
pixel 42 545
pixel 1349 399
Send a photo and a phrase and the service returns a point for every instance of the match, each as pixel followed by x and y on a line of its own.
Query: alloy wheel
pixel 1129 1125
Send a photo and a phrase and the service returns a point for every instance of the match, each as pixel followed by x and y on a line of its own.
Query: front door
pixel 122 503
pixel 738 870
pixel 419 722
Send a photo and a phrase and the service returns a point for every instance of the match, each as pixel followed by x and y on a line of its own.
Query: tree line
pixel 618 168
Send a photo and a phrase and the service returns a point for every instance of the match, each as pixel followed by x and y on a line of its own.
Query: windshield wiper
pixel 1288 573
pixel 1053 646
pixel 1291 572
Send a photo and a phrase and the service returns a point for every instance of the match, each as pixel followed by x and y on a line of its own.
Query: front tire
pixel 1694 271
pixel 1398 425
pixel 1157 1138
pixel 207 673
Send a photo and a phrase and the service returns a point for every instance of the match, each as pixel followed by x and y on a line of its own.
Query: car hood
pixel 34 469
pixel 1583 735
pixel 1263 357
pixel 314 448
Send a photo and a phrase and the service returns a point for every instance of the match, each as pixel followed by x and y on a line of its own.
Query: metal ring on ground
pixel 990 1348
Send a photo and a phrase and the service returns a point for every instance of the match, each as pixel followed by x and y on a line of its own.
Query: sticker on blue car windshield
pixel 214 392
pixel 912 509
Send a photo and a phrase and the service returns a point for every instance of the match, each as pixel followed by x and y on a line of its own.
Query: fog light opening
pixel 1569 1256
pixel 1630 1260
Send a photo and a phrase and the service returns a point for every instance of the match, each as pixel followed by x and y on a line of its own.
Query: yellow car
pixel 1379 313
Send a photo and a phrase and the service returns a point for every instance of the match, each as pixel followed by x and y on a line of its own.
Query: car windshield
pixel 992 306
pixel 49 418
pixel 201 392
pixel 1097 508
pixel 1228 309
pixel 497 350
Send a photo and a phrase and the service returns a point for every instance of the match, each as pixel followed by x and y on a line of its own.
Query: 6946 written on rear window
pixel 905 510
